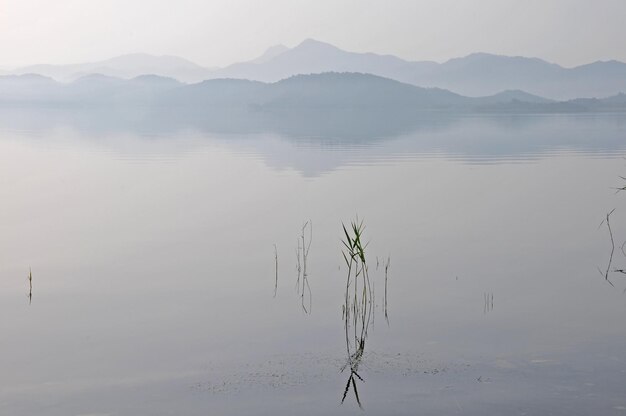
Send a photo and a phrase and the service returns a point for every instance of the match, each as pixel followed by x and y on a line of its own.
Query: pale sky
pixel 220 32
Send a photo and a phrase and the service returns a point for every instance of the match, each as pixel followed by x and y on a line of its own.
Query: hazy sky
pixel 219 32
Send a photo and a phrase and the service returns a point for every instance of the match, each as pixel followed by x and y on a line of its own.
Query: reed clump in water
pixel 359 303
pixel 359 298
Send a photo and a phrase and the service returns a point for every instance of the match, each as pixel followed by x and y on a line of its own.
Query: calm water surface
pixel 153 266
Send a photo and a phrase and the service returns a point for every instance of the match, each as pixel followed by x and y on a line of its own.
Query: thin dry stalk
pixel 608 267
pixel 30 283
pixel 302 253
pixel 275 270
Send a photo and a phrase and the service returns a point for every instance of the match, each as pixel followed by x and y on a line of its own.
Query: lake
pixel 168 272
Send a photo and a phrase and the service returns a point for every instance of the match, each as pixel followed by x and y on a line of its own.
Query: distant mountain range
pixel 125 66
pixel 475 75
pixel 327 91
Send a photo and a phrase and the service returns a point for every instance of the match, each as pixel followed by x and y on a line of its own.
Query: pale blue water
pixel 151 244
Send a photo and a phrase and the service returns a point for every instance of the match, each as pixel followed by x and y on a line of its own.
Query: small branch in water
pixel 623 188
pixel 276 270
pixel 387 264
pixel 302 254
pixel 298 266
pixel 30 283
pixel 608 267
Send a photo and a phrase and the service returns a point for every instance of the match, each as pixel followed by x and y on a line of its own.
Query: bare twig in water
pixel 387 264
pixel 276 270
pixel 298 266
pixel 30 283
pixel 608 224
pixel 302 254
pixel 608 267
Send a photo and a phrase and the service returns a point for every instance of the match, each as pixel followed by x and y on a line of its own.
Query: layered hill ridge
pixel 478 74
pixel 124 66
pixel 327 91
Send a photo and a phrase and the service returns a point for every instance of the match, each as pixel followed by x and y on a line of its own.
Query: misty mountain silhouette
pixel 322 91
pixel 125 66
pixel 270 54
pixel 318 91
pixel 327 91
pixel 313 57
pixel 478 74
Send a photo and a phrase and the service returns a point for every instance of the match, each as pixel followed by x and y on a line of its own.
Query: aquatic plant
pixel 354 257
pixel 359 303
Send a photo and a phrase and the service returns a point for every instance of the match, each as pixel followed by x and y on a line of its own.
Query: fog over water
pixel 150 237
pixel 312 208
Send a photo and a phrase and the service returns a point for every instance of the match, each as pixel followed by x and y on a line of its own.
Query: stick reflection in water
pixel 30 284
pixel 302 254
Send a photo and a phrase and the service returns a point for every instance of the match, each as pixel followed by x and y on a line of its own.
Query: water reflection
pixel 355 355
pixel 91 332
pixel 315 142
pixel 488 303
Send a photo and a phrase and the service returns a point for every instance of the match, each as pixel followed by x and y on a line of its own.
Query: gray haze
pixel 220 32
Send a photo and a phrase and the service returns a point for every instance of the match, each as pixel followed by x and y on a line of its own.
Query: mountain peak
pixel 315 44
